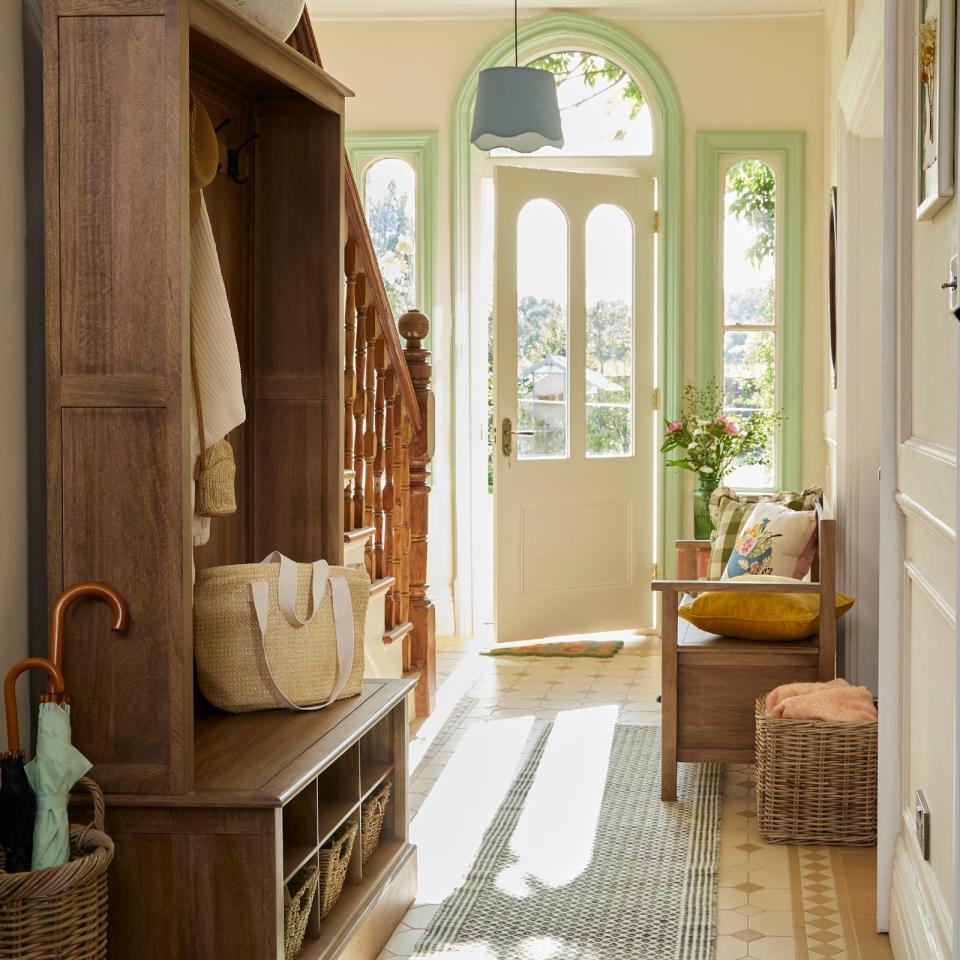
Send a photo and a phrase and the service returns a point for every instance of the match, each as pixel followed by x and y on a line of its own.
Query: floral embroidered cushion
pixel 774 541
pixel 728 510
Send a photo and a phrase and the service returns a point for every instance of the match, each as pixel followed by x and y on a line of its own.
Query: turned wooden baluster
pixel 370 435
pixel 402 530
pixel 406 433
pixel 389 546
pixel 349 375
pixel 380 362
pixel 359 405
pixel 414 327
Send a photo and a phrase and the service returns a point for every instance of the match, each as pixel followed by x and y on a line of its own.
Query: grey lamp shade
pixel 516 108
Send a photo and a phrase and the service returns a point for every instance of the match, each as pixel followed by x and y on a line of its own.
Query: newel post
pixel 414 327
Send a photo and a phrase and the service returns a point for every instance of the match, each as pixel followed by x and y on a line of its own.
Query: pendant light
pixel 516 106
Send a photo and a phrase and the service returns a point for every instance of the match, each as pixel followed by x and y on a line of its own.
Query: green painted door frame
pixel 787 151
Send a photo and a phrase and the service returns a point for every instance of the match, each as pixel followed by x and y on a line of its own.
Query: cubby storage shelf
pixel 371 776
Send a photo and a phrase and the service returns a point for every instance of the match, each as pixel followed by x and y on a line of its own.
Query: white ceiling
pixel 503 9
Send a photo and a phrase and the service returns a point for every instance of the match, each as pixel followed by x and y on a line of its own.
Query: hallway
pixel 774 902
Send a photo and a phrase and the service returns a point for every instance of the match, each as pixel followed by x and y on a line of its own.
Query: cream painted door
pixel 574 495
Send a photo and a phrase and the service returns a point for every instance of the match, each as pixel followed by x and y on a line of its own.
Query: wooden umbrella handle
pixel 58 615
pixel 10 693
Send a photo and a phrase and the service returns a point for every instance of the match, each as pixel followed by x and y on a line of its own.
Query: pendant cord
pixel 516 53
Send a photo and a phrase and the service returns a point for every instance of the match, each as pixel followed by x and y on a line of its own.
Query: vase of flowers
pixel 709 442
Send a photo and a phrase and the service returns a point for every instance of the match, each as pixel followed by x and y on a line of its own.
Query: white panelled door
pixel 574 496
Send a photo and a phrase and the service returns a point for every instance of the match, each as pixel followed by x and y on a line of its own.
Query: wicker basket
pixel 816 781
pixel 296 911
pixel 61 912
pixel 371 816
pixel 334 862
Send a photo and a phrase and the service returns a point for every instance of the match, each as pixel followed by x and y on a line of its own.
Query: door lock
pixel 507 433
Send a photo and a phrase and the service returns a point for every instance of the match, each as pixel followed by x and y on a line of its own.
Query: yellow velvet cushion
pixel 759 616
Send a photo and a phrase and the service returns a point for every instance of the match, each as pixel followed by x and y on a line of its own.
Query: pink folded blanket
pixel 776 696
pixel 836 702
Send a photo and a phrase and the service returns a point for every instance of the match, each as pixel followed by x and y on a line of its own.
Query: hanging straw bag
pixel 279 634
pixel 61 911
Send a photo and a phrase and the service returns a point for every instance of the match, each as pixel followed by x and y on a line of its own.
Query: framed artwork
pixel 832 278
pixel 935 132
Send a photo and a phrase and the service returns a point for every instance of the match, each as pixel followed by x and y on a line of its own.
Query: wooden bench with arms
pixel 710 683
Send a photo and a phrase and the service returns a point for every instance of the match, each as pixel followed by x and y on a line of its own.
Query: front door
pixel 574 493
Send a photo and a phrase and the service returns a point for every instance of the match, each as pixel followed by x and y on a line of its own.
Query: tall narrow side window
pixel 751 211
pixel 390 205
pixel 750 305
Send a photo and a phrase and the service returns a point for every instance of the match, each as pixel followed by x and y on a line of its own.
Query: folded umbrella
pixel 17 800
pixel 56 766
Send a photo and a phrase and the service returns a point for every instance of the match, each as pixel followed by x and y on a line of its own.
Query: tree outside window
pixel 390 189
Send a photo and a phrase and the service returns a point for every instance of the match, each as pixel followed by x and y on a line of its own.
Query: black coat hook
pixel 233 159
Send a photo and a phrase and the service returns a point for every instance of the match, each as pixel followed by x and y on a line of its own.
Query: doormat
pixel 602 649
pixel 641 883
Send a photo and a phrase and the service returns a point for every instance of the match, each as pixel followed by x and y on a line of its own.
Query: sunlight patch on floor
pixel 449 827
pixel 563 802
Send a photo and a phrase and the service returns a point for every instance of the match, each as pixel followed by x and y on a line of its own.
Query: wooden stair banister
pixel 388 436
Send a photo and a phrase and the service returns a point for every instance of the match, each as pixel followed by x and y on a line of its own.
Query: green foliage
pixel 710 443
pixel 609 333
pixel 597 74
pixel 754 186
pixel 394 240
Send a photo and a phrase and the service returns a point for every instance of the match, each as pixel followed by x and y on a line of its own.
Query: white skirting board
pixel 920 923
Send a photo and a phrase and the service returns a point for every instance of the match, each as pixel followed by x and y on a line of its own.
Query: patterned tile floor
pixel 774 902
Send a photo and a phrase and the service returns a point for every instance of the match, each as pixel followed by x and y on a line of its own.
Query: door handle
pixel 507 433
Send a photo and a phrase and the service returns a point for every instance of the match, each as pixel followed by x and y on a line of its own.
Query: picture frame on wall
pixel 935 60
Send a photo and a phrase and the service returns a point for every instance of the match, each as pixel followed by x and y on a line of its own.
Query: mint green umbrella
pixel 56 766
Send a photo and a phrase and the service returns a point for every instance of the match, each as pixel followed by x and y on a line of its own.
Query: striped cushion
pixel 728 510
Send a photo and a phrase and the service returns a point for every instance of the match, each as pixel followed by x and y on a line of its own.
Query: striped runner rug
pixel 647 889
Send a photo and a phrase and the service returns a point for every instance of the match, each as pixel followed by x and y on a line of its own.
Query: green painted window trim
pixel 422 148
pixel 788 150
pixel 573 31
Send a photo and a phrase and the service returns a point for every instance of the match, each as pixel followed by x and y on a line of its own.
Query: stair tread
pixel 382 585
pixel 397 633
pixel 359 533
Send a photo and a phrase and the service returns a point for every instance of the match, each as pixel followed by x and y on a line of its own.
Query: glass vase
pixel 702 524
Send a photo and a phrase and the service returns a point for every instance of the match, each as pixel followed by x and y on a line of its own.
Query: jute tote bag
pixel 279 634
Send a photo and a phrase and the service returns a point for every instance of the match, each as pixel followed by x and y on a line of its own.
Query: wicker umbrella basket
pixel 816 781
pixel 61 913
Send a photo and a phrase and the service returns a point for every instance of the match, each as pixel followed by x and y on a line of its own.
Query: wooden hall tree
pixel 195 795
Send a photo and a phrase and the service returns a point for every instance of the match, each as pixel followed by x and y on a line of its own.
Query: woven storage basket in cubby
pixel 371 816
pixel 334 863
pixel 61 911
pixel 816 781
pixel 296 911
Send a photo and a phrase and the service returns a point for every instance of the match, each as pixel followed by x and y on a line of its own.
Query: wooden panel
pixel 198 894
pixel 117 527
pixel 717 714
pixel 290 481
pixel 297 283
pixel 113 205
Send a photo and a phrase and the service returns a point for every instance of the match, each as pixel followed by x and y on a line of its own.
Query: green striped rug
pixel 648 890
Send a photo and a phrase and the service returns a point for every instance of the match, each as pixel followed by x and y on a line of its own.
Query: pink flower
pixel 731 427
pixel 674 425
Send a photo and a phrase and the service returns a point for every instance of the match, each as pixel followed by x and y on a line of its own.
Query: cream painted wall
pixel 13 370
pixel 763 74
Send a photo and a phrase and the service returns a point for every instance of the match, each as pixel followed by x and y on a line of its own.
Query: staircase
pixel 387 448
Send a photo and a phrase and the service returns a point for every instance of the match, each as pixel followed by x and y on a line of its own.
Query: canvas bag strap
pixel 342 621
pixel 287 587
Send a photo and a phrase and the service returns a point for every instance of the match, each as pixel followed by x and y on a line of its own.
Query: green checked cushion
pixel 728 510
